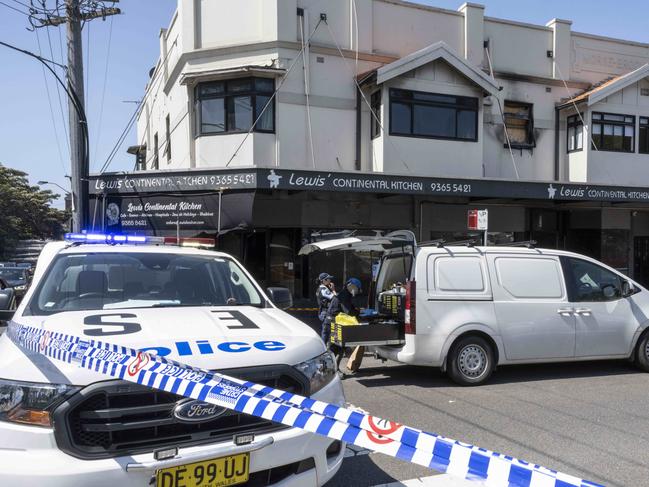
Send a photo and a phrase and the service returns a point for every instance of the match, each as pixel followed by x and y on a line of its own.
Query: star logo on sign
pixel 551 192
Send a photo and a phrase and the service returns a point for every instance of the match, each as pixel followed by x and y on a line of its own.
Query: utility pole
pixel 73 13
pixel 80 163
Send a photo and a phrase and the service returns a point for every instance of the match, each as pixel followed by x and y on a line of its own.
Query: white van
pixel 468 309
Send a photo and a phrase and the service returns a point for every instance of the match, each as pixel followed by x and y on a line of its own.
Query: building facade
pixel 289 120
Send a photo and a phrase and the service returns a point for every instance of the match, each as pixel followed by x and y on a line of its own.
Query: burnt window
pixel 575 133
pixel 432 115
pixel 375 122
pixel 232 106
pixel 613 132
pixel 519 121
pixel 644 136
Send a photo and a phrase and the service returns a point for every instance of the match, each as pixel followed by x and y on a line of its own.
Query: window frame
pixel 411 102
pixel 530 140
pixel 599 144
pixel 643 125
pixel 574 121
pixel 228 95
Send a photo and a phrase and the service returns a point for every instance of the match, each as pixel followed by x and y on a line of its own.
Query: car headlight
pixel 319 370
pixel 30 402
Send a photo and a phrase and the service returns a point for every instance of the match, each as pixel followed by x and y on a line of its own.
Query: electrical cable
pixel 49 102
pixel 58 92
pixel 360 90
pixel 14 8
pixel 502 116
pixel 103 91
pixel 270 100
pixel 86 91
pixel 154 78
pixel 305 64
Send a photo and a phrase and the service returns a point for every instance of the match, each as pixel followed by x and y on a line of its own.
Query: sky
pixel 118 57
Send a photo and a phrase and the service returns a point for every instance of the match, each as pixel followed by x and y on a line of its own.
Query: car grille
pixel 116 418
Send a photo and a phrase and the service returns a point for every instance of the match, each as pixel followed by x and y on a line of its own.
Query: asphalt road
pixel 589 419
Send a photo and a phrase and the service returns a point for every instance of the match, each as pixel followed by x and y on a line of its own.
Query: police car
pixel 61 425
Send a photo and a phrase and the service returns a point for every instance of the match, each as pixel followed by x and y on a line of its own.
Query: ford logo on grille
pixel 193 411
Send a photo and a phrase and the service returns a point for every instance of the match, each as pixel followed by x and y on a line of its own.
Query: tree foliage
pixel 25 211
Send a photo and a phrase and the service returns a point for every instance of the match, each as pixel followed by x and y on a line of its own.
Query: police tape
pixel 358 428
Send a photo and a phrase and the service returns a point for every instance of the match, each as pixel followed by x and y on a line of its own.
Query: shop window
pixel 613 132
pixel 375 122
pixel 232 106
pixel 419 114
pixel 519 122
pixel 643 135
pixel 575 133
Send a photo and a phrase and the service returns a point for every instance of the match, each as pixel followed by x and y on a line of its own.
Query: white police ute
pixel 61 425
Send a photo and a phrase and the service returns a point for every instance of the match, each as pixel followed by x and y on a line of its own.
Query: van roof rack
pixel 430 243
pixel 440 243
pixel 530 244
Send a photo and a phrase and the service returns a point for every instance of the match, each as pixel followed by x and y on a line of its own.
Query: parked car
pixel 17 278
pixel 468 309
pixel 188 304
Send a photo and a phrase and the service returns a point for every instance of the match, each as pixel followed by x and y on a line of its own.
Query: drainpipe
pixel 557 169
pixel 358 129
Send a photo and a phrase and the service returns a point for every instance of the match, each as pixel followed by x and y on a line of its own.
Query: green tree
pixel 25 211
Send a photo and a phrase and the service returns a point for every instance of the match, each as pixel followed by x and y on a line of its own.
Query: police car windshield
pixel 141 280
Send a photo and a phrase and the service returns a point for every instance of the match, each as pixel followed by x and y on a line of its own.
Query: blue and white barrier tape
pixel 361 429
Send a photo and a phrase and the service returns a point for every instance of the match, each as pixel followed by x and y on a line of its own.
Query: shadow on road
pixel 381 376
pixel 360 471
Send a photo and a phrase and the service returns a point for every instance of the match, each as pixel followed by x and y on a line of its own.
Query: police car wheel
pixel 642 353
pixel 470 361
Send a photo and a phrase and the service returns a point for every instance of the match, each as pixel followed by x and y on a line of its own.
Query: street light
pixel 67 194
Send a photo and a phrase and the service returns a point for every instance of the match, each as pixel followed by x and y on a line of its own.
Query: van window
pixel 459 274
pixel 530 278
pixel 588 282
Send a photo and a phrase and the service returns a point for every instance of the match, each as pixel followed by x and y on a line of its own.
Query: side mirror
pixel 627 289
pixel 281 297
pixel 7 299
pixel 6 315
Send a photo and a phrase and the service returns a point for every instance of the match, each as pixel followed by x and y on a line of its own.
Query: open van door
pixel 400 238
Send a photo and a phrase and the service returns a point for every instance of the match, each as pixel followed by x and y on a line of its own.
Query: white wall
pixel 208 35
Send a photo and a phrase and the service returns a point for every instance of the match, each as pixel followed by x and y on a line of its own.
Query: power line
pixel 58 92
pixel 87 66
pixel 14 8
pixel 103 91
pixel 49 102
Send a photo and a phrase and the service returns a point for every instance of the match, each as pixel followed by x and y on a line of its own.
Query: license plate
pixel 219 472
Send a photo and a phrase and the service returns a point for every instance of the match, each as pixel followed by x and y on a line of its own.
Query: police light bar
pixel 102 238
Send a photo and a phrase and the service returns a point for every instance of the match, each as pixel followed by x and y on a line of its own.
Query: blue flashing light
pixel 104 238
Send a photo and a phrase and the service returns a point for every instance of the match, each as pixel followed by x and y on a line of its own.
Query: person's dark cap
pixel 324 276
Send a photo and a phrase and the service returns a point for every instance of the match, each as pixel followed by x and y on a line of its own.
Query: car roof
pixel 499 249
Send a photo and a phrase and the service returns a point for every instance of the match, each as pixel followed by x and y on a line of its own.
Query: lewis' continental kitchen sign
pixel 138 184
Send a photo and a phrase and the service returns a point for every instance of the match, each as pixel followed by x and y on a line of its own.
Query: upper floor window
pixel 644 136
pixel 168 134
pixel 375 122
pixel 419 114
pixel 156 155
pixel 575 133
pixel 613 132
pixel 520 124
pixel 232 106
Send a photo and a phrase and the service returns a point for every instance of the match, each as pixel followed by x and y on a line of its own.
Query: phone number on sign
pixel 450 188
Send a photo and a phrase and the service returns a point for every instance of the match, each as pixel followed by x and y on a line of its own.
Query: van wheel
pixel 471 361
pixel 642 353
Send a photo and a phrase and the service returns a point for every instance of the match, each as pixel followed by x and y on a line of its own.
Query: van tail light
pixel 410 315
